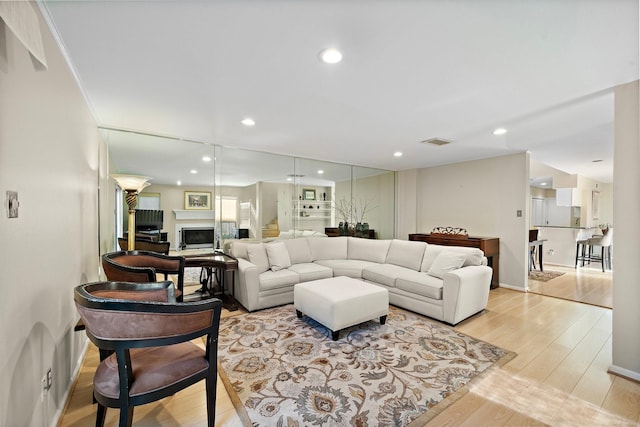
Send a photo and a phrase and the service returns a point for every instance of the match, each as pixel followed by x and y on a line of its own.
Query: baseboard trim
pixel 625 373
pixel 513 288
pixel 57 417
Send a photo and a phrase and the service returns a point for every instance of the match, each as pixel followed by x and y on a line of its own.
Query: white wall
pixel 406 197
pixel 48 154
pixel 626 203
pixel 376 191
pixel 481 196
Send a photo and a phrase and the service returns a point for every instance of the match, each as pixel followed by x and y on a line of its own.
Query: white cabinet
pixel 568 197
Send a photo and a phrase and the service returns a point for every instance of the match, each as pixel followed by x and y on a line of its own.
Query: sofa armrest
pixel 247 284
pixel 465 292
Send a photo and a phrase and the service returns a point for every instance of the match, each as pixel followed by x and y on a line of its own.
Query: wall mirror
pixel 255 195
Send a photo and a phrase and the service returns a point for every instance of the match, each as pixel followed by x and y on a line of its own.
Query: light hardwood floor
pixel 583 284
pixel 559 377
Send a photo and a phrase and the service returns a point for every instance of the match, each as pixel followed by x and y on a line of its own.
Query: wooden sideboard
pixel 333 232
pixel 489 245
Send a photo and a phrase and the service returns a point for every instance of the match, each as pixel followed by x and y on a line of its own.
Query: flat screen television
pixel 197 237
pixel 147 220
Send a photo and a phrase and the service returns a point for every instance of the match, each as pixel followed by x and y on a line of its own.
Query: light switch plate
pixel 519 213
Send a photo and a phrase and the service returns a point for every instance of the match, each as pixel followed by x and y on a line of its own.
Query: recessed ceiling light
pixel 331 55
pixel 320 171
pixel 289 178
pixel 500 131
pixel 248 122
pixel 206 159
pixel 179 183
pixel 193 171
pixel 398 154
pixel 543 183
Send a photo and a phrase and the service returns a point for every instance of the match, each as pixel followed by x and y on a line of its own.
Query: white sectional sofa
pixel 448 283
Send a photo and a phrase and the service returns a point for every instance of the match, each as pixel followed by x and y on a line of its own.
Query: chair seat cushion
pixel 153 368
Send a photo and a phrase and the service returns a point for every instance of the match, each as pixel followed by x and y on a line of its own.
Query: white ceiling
pixel 411 70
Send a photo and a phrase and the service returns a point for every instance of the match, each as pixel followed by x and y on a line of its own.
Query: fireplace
pixel 196 237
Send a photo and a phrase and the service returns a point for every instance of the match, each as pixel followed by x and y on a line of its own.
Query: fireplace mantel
pixel 193 214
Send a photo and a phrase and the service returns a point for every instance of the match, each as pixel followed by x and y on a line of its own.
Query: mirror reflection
pixel 209 194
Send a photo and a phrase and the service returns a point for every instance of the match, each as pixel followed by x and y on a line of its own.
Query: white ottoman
pixel 340 302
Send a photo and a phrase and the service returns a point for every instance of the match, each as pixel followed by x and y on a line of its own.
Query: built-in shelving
pixel 312 209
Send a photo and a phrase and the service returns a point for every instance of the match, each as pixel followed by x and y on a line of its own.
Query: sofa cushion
pixel 257 255
pixel 299 251
pixel 474 256
pixel 346 267
pixel 420 283
pixel 239 249
pixel 311 271
pixel 327 247
pixel 445 262
pixel 367 249
pixel 406 253
pixel 384 274
pixel 278 256
pixel 278 279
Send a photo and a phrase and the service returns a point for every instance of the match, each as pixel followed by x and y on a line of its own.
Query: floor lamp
pixel 132 185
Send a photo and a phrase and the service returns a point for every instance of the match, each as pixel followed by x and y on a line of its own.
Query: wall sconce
pixel 132 185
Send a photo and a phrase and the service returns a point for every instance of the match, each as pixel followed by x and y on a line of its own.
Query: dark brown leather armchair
pixel 144 337
pixel 142 266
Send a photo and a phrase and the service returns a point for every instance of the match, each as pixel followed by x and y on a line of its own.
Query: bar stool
pixel 604 242
pixel 582 242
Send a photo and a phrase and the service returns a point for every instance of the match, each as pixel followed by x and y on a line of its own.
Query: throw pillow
pixel 445 262
pixel 258 256
pixel 278 256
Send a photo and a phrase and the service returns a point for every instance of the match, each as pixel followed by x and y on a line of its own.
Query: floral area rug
pixel 544 276
pixel 283 371
pixel 192 275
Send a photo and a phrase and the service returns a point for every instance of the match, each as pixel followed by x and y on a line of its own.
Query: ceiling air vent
pixel 436 141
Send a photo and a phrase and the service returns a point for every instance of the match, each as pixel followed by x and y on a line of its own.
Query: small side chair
pixel 145 341
pixel 146 245
pixel 142 266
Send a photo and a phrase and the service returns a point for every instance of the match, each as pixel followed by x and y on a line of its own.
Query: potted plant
pixel 344 210
pixel 360 210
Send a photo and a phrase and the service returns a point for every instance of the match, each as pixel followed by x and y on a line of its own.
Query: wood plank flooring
pixel 584 284
pixel 559 377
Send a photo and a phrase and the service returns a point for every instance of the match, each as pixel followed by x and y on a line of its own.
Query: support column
pixel 626 226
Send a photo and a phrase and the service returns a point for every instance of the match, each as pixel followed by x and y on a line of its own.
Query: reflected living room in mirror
pixel 254 195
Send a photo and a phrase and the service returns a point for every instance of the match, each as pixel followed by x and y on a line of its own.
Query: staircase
pixel 271 230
